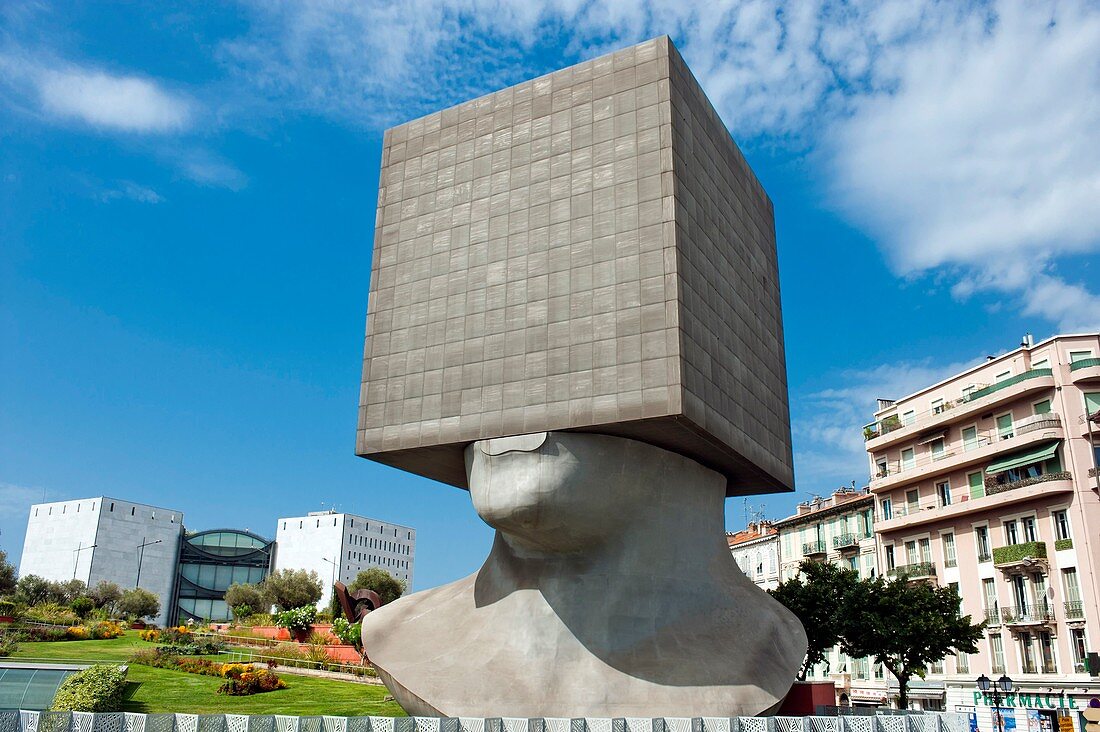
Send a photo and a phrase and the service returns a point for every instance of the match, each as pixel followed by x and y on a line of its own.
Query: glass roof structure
pixel 30 687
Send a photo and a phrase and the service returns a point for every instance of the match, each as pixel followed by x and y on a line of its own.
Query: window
pixel 936 447
pixel 989 595
pixel 112 506
pixel 1004 426
pixel 962 663
pixel 1092 402
pixel 912 501
pixel 926 550
pixel 1042 407
pixel 970 438
pixel 937 406
pixel 1012 532
pixel 1061 524
pixel 1042 363
pixel 907 418
pixel 1046 653
pixel 949 559
pixel 1002 376
pixel 908 458
pixel 976 484
pixel 998 652
pixel 1077 643
pixel 1075 356
pixel 132 510
pixel 887 512
pixel 889 550
pixel 1029 528
pixel 882 468
pixel 944 491
pixel 911 555
pixel 981 537
pixel 1027 653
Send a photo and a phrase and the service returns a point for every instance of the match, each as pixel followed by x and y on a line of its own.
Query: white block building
pixel 96 539
pixel 338 546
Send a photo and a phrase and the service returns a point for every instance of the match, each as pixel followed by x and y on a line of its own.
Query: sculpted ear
pixel 515 443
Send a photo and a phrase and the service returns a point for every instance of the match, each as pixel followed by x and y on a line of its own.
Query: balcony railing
pixel 950 562
pixel 1075 609
pixel 1017 553
pixel 992 487
pixel 1027 614
pixel 984 556
pixel 1048 421
pixel 1049 667
pixel 1084 363
pixel 992 617
pixel 813 547
pixel 917 570
pixel 847 541
pixel 893 422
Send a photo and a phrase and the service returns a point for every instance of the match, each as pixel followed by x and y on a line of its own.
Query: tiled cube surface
pixel 527 277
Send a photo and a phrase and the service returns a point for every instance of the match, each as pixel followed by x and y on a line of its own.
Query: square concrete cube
pixel 585 251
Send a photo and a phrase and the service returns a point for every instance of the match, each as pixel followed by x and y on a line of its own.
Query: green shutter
pixel 1043 407
pixel 1092 402
pixel 977 485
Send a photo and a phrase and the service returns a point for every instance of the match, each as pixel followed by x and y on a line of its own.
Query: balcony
pixel 1019 558
pixel 915 571
pixel 1086 369
pixel 992 617
pixel 983 450
pixel 992 487
pixel 1074 609
pixel 846 542
pixel 814 548
pixel 890 429
pixel 1039 614
pixel 905 517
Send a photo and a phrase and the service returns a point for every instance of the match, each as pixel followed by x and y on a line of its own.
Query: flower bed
pixel 241 679
pixel 103 630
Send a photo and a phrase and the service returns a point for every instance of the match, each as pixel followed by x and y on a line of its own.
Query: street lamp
pixel 1004 684
pixel 333 585
pixel 141 555
pixel 76 555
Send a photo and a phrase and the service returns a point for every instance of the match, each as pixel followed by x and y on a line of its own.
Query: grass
pixel 163 690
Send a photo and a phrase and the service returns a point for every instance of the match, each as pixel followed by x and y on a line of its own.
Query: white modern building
pixel 100 539
pixel 338 546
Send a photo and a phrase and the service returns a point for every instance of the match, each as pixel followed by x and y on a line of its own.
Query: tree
pixel 818 596
pixel 291 588
pixel 388 587
pixel 7 575
pixel 106 595
pixel 33 590
pixel 69 590
pixel 244 600
pixel 905 626
pixel 139 603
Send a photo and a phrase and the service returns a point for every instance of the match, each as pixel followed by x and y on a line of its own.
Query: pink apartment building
pixel 987 481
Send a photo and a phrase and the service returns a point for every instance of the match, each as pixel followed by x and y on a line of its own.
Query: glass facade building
pixel 209 562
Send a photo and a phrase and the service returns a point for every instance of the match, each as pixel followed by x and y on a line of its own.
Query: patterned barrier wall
pixel 12 721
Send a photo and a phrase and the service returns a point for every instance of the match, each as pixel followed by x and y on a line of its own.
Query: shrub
pixel 244 599
pixel 349 633
pixel 316 654
pixel 323 639
pixel 151 635
pixel 289 654
pixel 299 618
pixel 291 588
pixel 95 689
pixel 10 608
pixel 52 613
pixel 77 632
pixel 139 603
pixel 259 619
pixel 251 681
pixel 82 606
pixel 9 644
pixel 105 629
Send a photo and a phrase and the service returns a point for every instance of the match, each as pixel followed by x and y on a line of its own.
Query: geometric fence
pixel 15 721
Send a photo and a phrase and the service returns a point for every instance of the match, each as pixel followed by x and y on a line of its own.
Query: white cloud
pixel 131 191
pixel 102 100
pixel 15 500
pixel 205 168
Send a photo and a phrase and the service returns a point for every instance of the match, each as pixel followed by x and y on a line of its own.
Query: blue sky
pixel 187 200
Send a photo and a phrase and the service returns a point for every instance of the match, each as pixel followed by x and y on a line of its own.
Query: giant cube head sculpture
pixel 587 251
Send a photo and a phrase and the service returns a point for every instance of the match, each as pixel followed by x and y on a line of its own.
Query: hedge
pixel 95 689
pixel 1061 544
pixel 1016 552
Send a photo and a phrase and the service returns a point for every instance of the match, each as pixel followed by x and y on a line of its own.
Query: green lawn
pixel 162 690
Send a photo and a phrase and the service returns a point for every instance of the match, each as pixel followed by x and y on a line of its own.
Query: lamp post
pixel 76 554
pixel 141 555
pixel 332 586
pixel 1004 684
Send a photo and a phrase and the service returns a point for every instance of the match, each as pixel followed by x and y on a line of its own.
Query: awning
pixel 1020 459
pixel 932 437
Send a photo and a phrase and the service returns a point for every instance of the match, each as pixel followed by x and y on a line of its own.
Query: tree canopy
pixel 244 600
pixel 388 587
pixel 7 575
pixel 291 588
pixel 818 596
pixel 139 603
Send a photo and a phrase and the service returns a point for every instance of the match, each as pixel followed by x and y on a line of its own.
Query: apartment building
pixel 338 546
pixel 838 529
pixel 756 551
pixel 987 481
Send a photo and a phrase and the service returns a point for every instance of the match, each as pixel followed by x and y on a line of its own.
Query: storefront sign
pixel 1025 699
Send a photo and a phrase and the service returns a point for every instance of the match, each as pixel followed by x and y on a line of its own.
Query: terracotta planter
pixel 137 625
pixel 300 635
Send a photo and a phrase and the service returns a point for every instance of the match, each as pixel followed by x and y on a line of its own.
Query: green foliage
pixel 905 626
pixel 818 596
pixel 52 613
pixel 139 603
pixel 349 633
pixel 95 689
pixel 388 587
pixel 9 644
pixel 317 655
pixel 291 588
pixel 82 606
pixel 1061 544
pixel 7 574
pixel 106 595
pixel 296 619
pixel 1016 552
pixel 10 608
pixel 245 600
pixel 33 590
pixel 69 590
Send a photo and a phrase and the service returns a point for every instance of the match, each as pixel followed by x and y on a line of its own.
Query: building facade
pixel 338 546
pixel 101 539
pixel 211 561
pixel 756 551
pixel 838 529
pixel 986 481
